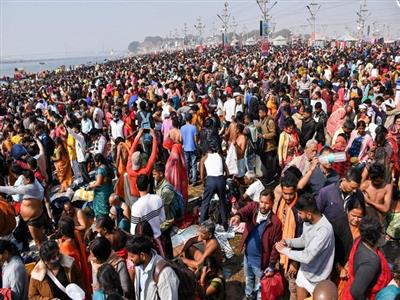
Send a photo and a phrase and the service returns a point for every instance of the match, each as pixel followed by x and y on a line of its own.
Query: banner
pixel 264 28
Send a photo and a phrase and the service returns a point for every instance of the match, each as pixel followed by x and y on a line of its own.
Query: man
pixel 86 124
pixel 81 149
pixel 332 200
pixel 148 207
pixel 292 226
pixel 377 193
pixel 230 108
pixel 189 137
pixel 49 147
pixel 303 162
pixel 241 145
pixel 319 174
pixel 120 212
pixel 80 220
pixel 116 130
pixel 318 247
pixel 269 156
pixel 166 191
pixel 146 260
pixel 308 126
pixel 255 187
pixel 319 115
pixel 263 230
pixel 98 116
pixel 135 168
pixel 53 267
pixel 316 98
pixel 99 143
pixel 31 206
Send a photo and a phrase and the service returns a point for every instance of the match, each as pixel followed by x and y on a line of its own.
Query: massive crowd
pixel 297 151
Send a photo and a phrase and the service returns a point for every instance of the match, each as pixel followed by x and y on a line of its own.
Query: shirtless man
pixel 377 193
pixel 31 206
pixel 241 144
pixel 79 217
pixel 174 133
pixel 192 255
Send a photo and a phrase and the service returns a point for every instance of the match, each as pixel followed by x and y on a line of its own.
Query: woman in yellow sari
pixel 62 165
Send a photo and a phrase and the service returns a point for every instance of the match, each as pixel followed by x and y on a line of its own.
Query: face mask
pixel 54 263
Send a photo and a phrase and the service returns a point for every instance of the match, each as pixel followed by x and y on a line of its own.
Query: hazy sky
pixel 77 27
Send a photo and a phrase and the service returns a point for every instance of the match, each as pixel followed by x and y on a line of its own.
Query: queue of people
pixel 258 135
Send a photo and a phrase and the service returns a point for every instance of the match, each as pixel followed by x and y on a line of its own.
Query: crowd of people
pixel 260 135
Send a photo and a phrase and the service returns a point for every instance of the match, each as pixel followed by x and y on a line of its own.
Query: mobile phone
pixel 146 130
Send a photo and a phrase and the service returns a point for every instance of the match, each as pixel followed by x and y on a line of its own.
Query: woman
pixel 212 281
pixel 71 244
pixel 369 271
pixel 101 253
pixel 289 143
pixel 102 187
pixel 62 165
pixel 13 271
pixel 360 142
pixel 109 283
pixel 175 168
pixel 347 229
pixel 198 248
pixel 105 227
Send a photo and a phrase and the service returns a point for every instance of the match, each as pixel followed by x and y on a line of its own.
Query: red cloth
pixel 132 174
pixel 382 281
pixel 175 171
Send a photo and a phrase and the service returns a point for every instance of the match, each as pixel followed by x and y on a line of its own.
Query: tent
pixel 279 41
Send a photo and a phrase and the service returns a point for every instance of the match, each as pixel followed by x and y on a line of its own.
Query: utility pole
pixel 225 22
pixel 265 9
pixel 185 31
pixel 199 27
pixel 234 25
pixel 313 8
pixel 362 16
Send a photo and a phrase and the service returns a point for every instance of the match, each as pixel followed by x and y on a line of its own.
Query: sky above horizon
pixel 64 28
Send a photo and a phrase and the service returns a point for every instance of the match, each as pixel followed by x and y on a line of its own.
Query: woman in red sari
pixel 369 271
pixel 175 168
pixel 71 244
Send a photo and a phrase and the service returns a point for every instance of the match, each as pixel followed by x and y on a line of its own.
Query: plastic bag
pixel 272 287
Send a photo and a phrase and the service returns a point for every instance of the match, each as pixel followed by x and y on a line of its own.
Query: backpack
pixel 178 204
pixel 188 286
pixel 355 147
pixel 145 120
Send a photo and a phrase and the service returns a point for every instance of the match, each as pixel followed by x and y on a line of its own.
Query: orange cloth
pixel 285 214
pixel 63 169
pixel 76 249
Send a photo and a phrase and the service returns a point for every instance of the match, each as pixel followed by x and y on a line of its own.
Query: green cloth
pixel 102 193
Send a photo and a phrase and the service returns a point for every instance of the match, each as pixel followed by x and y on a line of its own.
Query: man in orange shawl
pixel 292 226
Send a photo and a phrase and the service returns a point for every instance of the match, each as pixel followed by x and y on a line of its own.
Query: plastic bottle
pixel 332 158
